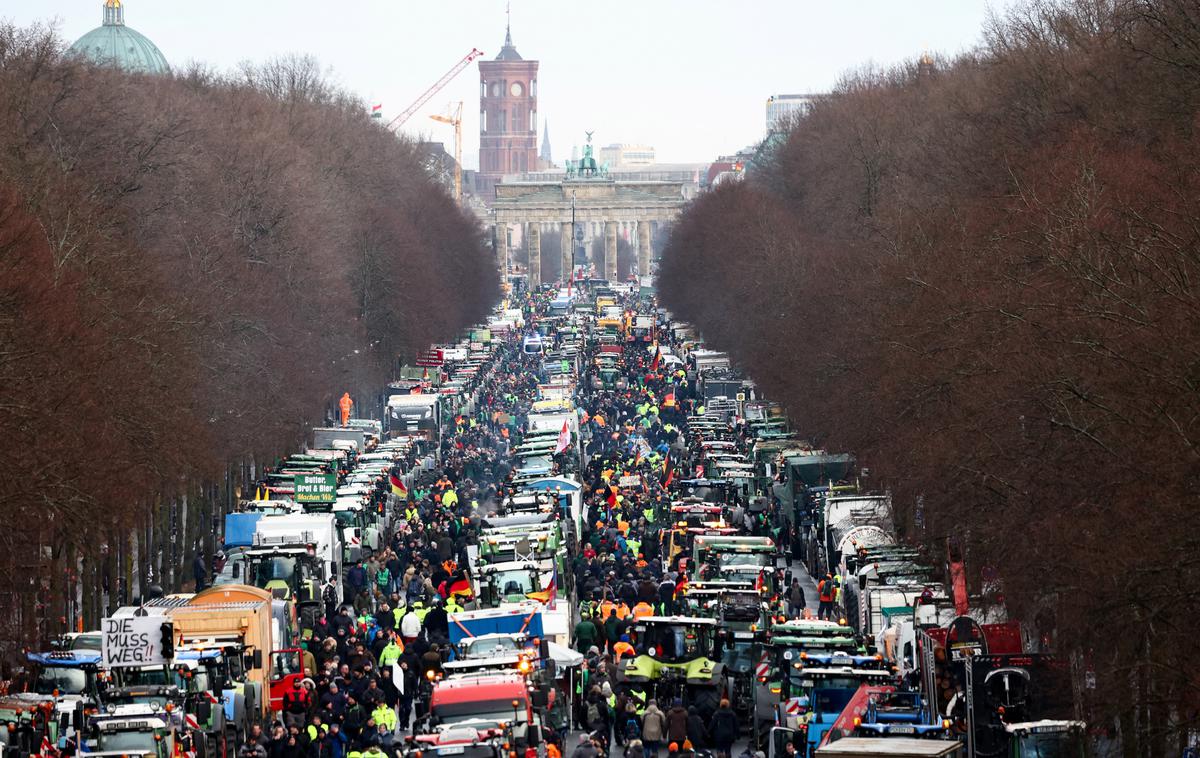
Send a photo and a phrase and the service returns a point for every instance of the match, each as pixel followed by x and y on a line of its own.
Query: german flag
pixel 548 595
pixel 462 587
pixel 398 488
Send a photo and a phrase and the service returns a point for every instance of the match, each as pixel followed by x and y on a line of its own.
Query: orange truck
pixel 232 625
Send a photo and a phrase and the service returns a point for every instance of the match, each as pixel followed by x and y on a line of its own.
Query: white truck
pixel 415 414
pixel 293 556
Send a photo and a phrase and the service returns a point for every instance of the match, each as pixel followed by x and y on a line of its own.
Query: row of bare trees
pixel 192 268
pixel 982 275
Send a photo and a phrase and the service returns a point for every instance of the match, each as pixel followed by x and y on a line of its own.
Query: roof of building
pixel 115 44
pixel 508 52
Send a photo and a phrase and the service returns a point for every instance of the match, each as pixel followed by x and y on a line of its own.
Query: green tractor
pixel 678 657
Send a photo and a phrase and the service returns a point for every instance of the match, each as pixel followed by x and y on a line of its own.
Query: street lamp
pixel 574 229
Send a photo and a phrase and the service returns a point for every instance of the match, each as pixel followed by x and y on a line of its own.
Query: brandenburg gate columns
pixel 610 251
pixel 566 240
pixel 533 246
pixel 643 245
pixel 501 233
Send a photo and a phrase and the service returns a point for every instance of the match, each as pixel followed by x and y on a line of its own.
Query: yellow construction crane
pixel 454 118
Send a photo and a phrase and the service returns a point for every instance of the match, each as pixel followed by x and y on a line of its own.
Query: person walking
pixel 199 571
pixel 654 728
pixel 724 730
pixel 585 633
pixel 697 732
pixel 796 600
pixel 677 722
pixel 825 592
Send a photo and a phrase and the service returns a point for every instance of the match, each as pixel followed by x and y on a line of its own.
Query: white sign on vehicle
pixel 133 641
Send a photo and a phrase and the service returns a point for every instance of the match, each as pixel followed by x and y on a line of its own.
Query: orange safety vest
pixel 623 648
pixel 642 610
pixel 606 609
pixel 622 611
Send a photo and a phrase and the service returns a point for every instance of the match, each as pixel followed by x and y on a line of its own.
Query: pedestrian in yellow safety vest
pixel 385 717
pixel 391 652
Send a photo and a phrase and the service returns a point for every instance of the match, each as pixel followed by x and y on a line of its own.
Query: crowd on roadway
pixel 395 606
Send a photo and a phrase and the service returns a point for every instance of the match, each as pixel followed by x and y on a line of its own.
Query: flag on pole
pixel 398 488
pixel 548 595
pixel 657 358
pixel 564 439
pixel 377 110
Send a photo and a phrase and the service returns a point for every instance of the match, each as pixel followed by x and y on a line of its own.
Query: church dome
pixel 115 44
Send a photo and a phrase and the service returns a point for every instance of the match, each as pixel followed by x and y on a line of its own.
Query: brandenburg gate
pixel 598 204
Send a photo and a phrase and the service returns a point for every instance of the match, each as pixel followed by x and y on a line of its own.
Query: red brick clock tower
pixel 507 114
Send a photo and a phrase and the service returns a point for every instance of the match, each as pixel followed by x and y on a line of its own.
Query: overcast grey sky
pixel 689 77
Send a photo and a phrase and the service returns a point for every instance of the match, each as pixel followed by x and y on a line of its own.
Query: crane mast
pixel 455 120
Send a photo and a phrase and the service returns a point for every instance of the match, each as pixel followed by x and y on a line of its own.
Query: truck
pixel 419 414
pixel 904 747
pixel 224 636
pixel 488 701
pixel 525 620
pixel 293 557
pixel 325 438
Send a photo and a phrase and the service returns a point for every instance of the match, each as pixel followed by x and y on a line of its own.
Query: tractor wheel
pixel 706 700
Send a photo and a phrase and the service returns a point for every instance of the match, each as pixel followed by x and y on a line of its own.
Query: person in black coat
pixel 724 729
pixel 199 572
pixel 696 731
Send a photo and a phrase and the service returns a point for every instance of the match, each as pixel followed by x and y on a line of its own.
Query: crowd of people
pixel 392 614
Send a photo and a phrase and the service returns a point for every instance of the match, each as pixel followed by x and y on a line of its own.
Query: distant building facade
pixel 781 108
pixel 622 156
pixel 507 115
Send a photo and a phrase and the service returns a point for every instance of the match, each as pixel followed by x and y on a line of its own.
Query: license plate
pixel 844 659
pixel 452 750
pixel 903 729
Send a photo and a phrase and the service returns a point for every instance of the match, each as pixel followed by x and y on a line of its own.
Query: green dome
pixel 113 43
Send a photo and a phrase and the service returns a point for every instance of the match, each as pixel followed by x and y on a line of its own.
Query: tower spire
pixel 508 24
pixel 545 154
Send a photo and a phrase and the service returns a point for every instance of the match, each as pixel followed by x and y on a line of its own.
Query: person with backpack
pixel 596 711
pixel 629 726
pixel 825 592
